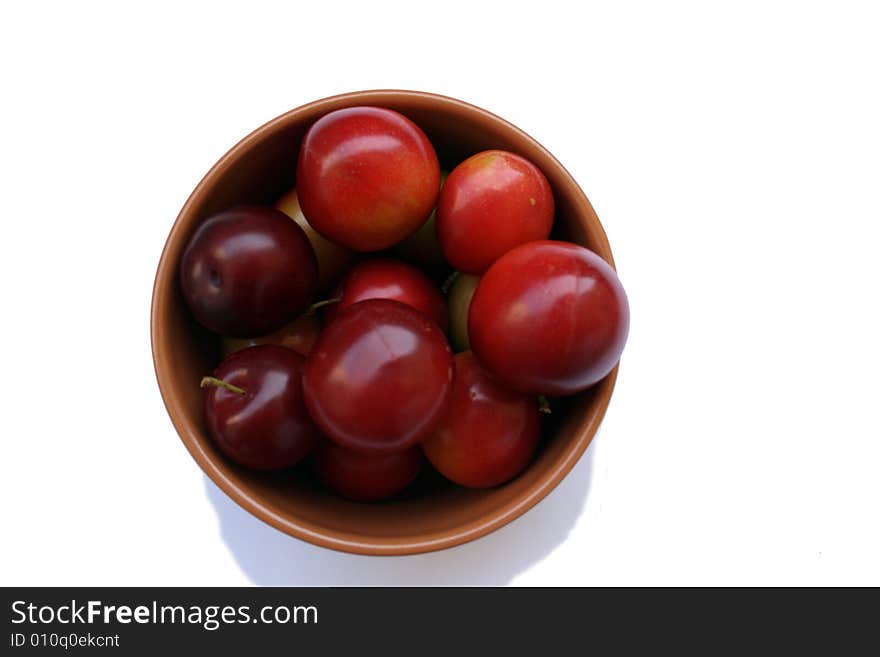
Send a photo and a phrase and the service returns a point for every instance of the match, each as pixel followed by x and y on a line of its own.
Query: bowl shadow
pixel 269 557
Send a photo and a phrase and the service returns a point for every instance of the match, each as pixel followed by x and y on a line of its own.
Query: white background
pixel 733 155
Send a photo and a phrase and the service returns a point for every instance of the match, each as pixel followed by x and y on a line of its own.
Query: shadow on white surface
pixel 271 558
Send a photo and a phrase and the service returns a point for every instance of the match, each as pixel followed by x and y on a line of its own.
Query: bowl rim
pixel 303 529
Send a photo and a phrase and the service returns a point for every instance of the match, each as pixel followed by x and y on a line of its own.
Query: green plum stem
pixel 449 282
pixel 320 304
pixel 213 382
pixel 544 405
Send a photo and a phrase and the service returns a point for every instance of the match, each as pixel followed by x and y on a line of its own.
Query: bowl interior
pixel 432 514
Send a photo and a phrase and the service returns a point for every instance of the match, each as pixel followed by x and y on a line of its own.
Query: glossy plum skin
pixel 383 278
pixel 333 259
pixel 489 433
pixel 248 271
pixel 366 477
pixel 299 335
pixel 549 318
pixel 379 377
pixel 367 177
pixel 490 203
pixel 267 428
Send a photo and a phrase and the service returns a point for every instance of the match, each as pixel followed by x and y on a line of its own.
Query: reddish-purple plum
pixel 248 271
pixel 254 408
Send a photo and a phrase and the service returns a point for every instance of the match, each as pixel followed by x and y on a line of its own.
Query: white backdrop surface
pixel 731 153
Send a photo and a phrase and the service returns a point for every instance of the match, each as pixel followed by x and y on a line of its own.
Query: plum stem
pixel 544 405
pixel 320 304
pixel 449 282
pixel 213 382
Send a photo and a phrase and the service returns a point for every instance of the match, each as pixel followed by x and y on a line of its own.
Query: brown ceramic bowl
pixel 433 514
